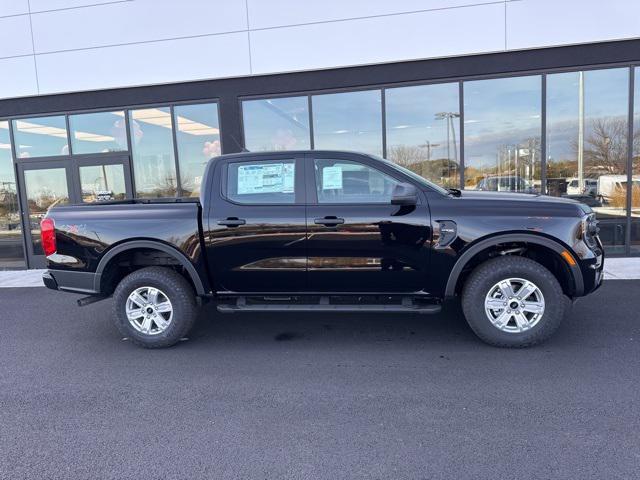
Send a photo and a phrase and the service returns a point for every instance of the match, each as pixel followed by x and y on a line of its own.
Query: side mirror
pixel 404 194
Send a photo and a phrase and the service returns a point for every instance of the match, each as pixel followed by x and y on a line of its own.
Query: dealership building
pixel 104 100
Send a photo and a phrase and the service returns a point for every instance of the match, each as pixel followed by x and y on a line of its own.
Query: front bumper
pixel 70 281
pixel 592 273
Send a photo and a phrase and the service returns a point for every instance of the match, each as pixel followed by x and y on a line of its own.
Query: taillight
pixel 48 236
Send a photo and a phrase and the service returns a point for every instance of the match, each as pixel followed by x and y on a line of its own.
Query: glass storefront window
pixel 502 131
pixel 40 137
pixel 587 129
pixel 348 121
pixel 423 125
pixel 44 188
pixel 635 167
pixel 152 151
pixel 198 140
pixel 11 251
pixel 276 124
pixel 102 183
pixel 99 132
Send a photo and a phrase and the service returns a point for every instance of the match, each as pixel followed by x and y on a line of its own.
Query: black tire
pixel 488 274
pixel 177 290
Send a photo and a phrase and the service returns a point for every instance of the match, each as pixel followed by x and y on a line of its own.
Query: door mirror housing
pixel 404 194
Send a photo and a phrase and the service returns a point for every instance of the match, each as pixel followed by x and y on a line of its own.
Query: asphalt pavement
pixel 347 396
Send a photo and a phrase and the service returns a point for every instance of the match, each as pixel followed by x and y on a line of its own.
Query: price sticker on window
pixel 332 178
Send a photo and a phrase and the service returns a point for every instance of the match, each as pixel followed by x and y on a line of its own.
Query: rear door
pixel 357 240
pixel 256 234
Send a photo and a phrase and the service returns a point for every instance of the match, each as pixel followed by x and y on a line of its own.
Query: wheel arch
pixel 133 245
pixel 485 244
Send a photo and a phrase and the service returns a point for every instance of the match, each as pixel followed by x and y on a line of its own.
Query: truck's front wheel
pixel 154 307
pixel 513 302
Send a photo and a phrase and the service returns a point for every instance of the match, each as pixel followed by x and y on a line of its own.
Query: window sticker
pixel 332 178
pixel 266 178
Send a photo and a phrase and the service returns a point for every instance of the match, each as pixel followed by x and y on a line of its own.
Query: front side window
pixel 40 137
pixel 343 181
pixel 266 182
pixel 100 132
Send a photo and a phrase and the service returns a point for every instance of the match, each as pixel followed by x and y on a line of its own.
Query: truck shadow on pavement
pixel 293 328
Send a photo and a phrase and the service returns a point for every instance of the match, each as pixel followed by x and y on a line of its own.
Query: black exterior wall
pixel 228 90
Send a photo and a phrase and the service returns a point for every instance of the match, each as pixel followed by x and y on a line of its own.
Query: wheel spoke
pixel 506 289
pixel 533 307
pixel 146 325
pixel 152 295
pixel 495 303
pixel 526 290
pixel 136 298
pixel 160 322
pixel 521 321
pixel 163 307
pixel 135 313
pixel 502 319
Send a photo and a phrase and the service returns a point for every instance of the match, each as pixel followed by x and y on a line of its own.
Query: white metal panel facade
pixel 55 46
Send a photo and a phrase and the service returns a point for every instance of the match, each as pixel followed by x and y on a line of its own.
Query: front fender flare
pixel 513 237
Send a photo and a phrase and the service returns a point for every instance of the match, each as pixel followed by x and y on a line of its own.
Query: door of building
pixel 47 183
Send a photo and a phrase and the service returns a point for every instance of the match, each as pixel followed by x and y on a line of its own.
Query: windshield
pixel 413 175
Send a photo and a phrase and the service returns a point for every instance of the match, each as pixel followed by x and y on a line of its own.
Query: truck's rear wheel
pixel 154 307
pixel 513 302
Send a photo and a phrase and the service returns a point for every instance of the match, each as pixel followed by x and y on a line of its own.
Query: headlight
pixel 589 230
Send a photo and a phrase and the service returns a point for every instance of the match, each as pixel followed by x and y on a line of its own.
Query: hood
pixel 534 200
pixel 527 197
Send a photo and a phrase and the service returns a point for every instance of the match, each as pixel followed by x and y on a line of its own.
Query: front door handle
pixel 232 222
pixel 328 221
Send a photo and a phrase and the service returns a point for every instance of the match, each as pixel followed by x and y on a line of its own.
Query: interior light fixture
pixel 160 118
pixel 29 127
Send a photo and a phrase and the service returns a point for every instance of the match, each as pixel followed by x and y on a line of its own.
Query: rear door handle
pixel 329 221
pixel 232 222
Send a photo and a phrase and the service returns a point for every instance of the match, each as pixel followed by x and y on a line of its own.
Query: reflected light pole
pixel 449 116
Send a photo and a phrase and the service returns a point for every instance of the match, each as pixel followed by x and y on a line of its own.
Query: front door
pixel 357 240
pixel 49 183
pixel 256 225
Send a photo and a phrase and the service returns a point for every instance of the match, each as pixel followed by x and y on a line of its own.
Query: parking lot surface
pixel 312 396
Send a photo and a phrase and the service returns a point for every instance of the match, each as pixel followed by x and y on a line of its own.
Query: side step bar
pixel 407 306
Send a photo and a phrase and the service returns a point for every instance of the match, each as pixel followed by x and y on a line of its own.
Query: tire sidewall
pixel 487 275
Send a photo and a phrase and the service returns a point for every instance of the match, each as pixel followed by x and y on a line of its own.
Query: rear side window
pixel 262 182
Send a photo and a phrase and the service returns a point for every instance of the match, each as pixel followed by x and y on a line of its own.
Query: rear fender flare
pixel 138 244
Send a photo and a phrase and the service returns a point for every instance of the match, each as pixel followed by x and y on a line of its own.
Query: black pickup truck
pixel 327 231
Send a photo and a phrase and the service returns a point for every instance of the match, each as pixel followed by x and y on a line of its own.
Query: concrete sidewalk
pixel 615 269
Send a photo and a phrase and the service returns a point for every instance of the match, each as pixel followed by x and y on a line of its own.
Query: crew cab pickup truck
pixel 327 231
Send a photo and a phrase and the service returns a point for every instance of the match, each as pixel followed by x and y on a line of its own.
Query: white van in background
pixel 608 185
pixel 589 186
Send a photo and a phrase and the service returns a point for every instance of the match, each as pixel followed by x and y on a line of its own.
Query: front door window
pixel 343 181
